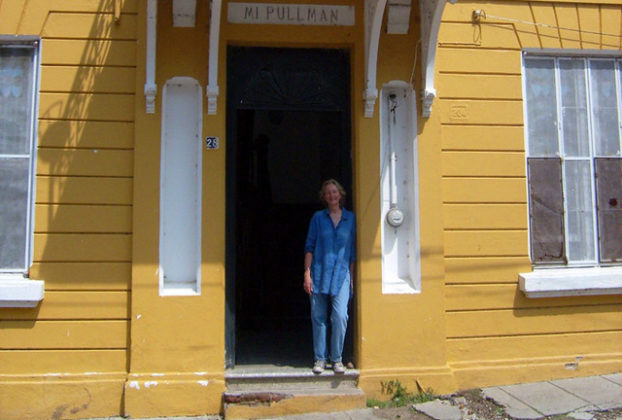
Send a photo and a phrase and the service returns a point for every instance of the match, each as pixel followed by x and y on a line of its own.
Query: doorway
pixel 288 129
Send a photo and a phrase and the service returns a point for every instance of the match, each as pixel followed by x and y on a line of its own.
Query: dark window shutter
pixel 609 199
pixel 546 210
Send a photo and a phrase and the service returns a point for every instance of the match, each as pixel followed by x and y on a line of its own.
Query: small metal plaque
pixel 211 143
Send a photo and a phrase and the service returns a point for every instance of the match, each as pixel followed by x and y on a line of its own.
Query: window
pixel 18 87
pixel 17 119
pixel 574 172
pixel 574 163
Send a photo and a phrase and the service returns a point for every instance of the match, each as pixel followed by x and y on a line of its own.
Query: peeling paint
pixel 157 374
pixel 133 384
pixel 203 383
pixel 139 316
pixel 150 383
pixel 200 373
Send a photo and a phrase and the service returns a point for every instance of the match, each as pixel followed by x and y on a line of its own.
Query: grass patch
pixel 400 396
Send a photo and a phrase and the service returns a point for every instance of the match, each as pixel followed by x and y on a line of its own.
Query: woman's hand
pixel 307 285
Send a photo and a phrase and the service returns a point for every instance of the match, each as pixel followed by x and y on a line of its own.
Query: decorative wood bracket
pixel 211 90
pixel 184 13
pixel 374 11
pixel 431 12
pixel 398 16
pixel 151 88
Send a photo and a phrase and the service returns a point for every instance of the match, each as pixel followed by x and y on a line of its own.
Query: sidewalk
pixel 577 398
pixel 594 397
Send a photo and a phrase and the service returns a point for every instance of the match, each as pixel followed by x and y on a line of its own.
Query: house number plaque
pixel 211 143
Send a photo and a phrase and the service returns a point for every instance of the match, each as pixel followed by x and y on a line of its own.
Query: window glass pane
pixel 604 108
pixel 13 212
pixel 574 107
pixel 541 107
pixel 609 197
pixel 546 210
pixel 16 70
pixel 580 228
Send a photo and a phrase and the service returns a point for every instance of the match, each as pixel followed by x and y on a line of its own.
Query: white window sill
pixel 571 282
pixel 18 292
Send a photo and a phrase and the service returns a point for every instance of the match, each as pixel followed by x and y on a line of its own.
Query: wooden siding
pixel 489 320
pixel 15 362
pixel 83 210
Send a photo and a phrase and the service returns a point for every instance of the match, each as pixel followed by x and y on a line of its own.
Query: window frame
pixel 572 278
pixel 16 287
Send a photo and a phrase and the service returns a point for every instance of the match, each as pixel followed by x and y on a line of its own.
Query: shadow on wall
pixel 85 152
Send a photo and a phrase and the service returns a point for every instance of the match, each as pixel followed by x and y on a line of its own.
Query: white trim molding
pixel 211 90
pixel 374 11
pixel 556 282
pixel 20 292
pixel 151 89
pixel 431 13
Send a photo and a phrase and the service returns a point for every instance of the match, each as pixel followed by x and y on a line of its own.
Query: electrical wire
pixel 546 25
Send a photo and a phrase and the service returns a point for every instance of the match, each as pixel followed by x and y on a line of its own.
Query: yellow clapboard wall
pixel 494 333
pixel 83 209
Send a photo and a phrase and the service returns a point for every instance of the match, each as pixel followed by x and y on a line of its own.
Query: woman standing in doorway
pixel 329 264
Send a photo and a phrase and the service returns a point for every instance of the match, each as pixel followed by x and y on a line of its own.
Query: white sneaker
pixel 338 367
pixel 319 366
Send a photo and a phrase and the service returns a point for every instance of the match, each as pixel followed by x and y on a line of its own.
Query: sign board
pixel 291 14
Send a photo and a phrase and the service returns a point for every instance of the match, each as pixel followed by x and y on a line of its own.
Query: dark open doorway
pixel 288 129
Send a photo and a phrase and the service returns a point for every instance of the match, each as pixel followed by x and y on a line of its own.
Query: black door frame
pixel 287 79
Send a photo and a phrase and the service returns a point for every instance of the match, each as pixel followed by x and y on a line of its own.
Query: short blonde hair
pixel 342 192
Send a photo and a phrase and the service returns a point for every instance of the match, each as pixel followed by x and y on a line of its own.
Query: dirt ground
pixel 475 407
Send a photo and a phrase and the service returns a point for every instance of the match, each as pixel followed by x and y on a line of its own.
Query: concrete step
pixel 264 379
pixel 260 392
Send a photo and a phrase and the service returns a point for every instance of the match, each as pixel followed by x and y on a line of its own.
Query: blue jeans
pixel 338 322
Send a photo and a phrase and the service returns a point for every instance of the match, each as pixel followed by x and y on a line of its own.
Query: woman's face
pixel 332 196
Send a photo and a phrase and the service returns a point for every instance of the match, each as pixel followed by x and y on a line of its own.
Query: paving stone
pixel 614 377
pixel 513 406
pixel 581 415
pixel 597 390
pixel 439 410
pixel 546 398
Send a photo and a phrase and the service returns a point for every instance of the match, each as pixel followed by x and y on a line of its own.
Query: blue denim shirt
pixel 333 250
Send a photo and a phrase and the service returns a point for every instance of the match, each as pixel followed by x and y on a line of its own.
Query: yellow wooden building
pixel 160 160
